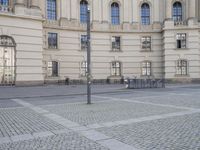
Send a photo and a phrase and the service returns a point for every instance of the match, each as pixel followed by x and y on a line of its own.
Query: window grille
pixel 115 14
pixel 146 68
pixel 53 40
pixel 116 43
pixel 145 14
pixel 116 68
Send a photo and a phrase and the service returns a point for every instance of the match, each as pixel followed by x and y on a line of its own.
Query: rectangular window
pixel 52 40
pixel 83 42
pixel 84 68
pixel 146 42
pixel 116 69
pixel 181 40
pixel 116 43
pixel 146 68
pixel 4 2
pixel 52 69
pixel 181 68
pixel 51 10
pixel 83 11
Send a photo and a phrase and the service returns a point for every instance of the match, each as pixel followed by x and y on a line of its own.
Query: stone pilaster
pixel 192 9
pixel 35 4
pixel 20 3
pixel 168 10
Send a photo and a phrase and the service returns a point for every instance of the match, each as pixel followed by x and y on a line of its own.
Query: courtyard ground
pixel 58 118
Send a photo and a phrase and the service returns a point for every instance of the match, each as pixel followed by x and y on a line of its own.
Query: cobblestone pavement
pixel 21 121
pixel 67 141
pixel 8 103
pixel 106 111
pixel 178 133
pixel 149 119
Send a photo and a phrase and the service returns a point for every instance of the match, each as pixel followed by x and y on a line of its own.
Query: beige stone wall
pixel 25 25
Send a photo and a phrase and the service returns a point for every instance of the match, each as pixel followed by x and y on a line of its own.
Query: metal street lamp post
pixel 88 59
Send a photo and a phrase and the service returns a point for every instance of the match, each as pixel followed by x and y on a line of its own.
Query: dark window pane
pixel 54 68
pixel 116 68
pixel 51 9
pixel 83 42
pixel 52 40
pixel 146 68
pixel 182 67
pixel 84 68
pixel 83 11
pixel 4 2
pixel 115 14
pixel 116 43
pixel 145 14
pixel 177 11
pixel 181 40
pixel 146 42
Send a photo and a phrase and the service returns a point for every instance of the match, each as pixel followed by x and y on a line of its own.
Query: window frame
pixel 52 11
pixel 4 2
pixel 146 68
pixel 181 42
pixel 177 11
pixel 145 41
pixel 115 13
pixel 182 67
pixel 83 11
pixel 115 46
pixel 50 46
pixel 83 43
pixel 116 68
pixel 145 14
pixel 83 69
pixel 50 69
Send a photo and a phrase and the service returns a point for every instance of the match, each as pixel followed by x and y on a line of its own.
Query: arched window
pixel 177 11
pixel 83 11
pixel 145 14
pixel 51 9
pixel 115 14
pixel 7 60
pixel 4 2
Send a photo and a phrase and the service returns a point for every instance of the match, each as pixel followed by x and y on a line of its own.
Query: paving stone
pixel 42 134
pixel 176 133
pixel 8 104
pixel 21 137
pixel 20 121
pixel 106 112
pixel 116 145
pixel 5 140
pixel 67 141
pixel 94 135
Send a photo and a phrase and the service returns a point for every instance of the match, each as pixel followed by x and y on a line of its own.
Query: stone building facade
pixel 44 41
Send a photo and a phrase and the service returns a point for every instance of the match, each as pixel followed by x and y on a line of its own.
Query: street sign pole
pixel 88 59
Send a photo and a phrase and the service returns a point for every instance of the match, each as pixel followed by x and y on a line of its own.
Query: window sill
pixel 182 76
pixel 146 76
pixel 114 77
pixel 179 49
pixel 82 50
pixel 52 77
pixel 52 49
pixel 114 51
pixel 146 50
pixel 83 77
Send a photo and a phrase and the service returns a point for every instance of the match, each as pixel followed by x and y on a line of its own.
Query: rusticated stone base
pixel 29 83
pixel 183 81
